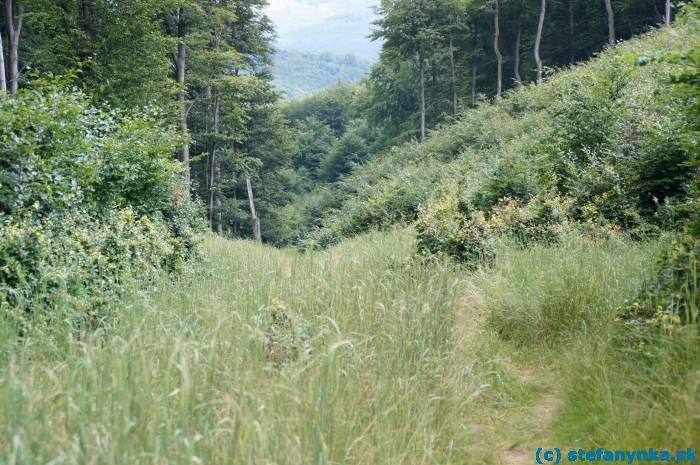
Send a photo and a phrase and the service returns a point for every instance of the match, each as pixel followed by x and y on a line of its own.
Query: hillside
pixel 567 138
pixel 300 74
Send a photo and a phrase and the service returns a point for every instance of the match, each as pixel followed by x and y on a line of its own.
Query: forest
pixel 300 74
pixel 483 244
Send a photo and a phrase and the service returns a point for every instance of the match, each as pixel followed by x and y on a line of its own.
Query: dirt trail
pixel 536 419
pixel 514 433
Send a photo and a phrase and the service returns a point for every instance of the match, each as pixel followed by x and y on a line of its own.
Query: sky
pixel 294 15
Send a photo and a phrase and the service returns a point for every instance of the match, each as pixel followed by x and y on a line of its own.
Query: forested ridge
pixel 486 245
pixel 299 74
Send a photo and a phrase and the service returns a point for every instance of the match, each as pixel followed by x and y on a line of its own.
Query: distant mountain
pixel 342 34
pixel 298 74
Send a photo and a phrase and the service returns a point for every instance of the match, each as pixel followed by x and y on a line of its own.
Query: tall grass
pixel 614 400
pixel 559 304
pixel 545 295
pixel 186 375
pixel 355 355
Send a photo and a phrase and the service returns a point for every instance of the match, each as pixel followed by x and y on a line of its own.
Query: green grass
pixel 186 375
pixel 544 295
pixel 404 365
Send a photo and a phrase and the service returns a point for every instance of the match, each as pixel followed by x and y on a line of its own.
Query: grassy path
pixel 523 423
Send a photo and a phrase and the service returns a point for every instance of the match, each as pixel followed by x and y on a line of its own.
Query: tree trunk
pixel 572 33
pixel 257 235
pixel 14 31
pixel 421 65
pixel 497 50
pixel 611 23
pixel 516 54
pixel 3 79
pixel 219 211
pixel 455 94
pixel 538 40
pixel 214 165
pixel 667 16
pixel 180 67
pixel 473 86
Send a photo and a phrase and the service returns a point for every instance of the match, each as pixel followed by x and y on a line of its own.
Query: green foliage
pixel 609 146
pixel 669 305
pixel 90 203
pixel 58 151
pixel 121 49
pixel 542 220
pixel 448 230
pixel 70 269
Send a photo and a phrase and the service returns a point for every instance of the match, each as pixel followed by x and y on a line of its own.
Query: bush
pixel 542 220
pixel 91 203
pixel 446 229
pixel 670 304
pixel 69 268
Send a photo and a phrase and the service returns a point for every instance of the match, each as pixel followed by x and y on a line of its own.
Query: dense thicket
pixel 91 203
pixel 91 195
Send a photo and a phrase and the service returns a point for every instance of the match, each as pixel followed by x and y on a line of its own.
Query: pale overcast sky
pixel 291 15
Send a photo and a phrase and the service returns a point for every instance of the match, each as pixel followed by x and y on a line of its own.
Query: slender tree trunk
pixel 13 24
pixel 214 165
pixel 611 23
pixel 667 16
pixel 3 79
pixel 572 33
pixel 421 65
pixel 257 235
pixel 516 54
pixel 473 86
pixel 455 94
pixel 219 210
pixel 497 50
pixel 217 163
pixel 180 67
pixel 538 40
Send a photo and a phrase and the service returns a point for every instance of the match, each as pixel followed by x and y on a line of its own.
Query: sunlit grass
pixel 356 355
pixel 186 375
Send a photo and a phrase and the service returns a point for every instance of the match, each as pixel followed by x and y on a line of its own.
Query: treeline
pixel 441 55
pixel 99 100
pixel 332 133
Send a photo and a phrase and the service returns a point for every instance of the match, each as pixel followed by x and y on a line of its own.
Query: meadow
pixel 361 354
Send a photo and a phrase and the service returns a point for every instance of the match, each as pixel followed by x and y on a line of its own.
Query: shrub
pixel 670 303
pixel 68 268
pixel 446 229
pixel 91 203
pixel 542 220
